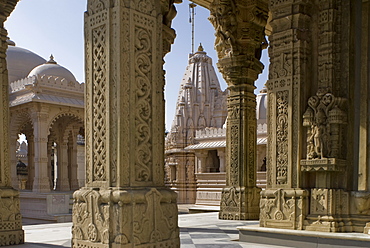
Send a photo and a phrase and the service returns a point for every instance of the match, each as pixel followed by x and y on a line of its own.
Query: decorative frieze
pixel 283 208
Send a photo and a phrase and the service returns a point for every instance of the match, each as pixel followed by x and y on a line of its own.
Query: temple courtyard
pixel 202 230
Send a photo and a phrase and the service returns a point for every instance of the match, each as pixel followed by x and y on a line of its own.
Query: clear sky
pixel 56 27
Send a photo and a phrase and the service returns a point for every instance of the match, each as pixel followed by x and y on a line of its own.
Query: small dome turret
pixel 52 68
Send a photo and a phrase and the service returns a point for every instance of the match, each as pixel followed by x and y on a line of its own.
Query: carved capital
pixel 240 70
pixel 239 27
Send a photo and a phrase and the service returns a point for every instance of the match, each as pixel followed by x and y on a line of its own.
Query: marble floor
pixel 200 230
pixel 196 230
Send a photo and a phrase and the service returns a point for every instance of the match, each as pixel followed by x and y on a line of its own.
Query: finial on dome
pixel 51 60
pixel 200 48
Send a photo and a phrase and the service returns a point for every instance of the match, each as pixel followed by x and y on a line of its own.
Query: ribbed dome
pixel 20 62
pixel 51 68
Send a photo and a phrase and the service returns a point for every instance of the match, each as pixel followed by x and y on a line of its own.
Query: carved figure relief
pixel 286 207
pixel 324 119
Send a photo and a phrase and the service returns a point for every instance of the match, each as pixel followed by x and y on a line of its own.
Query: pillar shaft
pixel 63 180
pixel 239 42
pixel 287 93
pixel 13 161
pixel 11 232
pixel 125 202
pixel 73 161
pixel 41 181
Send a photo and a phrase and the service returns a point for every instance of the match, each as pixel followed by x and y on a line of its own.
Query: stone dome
pixel 51 68
pixel 21 61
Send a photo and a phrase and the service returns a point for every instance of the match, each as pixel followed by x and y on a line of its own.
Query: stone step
pixel 302 238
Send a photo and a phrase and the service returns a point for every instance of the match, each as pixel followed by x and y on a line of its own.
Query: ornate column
pixel 72 154
pixel 41 182
pixel 11 232
pixel 62 179
pixel 221 155
pixel 240 38
pixel 31 161
pixel 13 160
pixel 125 202
pixel 284 204
pixel 201 157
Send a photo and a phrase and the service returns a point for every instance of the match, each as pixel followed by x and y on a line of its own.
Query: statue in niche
pixel 323 118
pixel 318 133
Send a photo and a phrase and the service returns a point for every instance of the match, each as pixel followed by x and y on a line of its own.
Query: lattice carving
pixel 99 103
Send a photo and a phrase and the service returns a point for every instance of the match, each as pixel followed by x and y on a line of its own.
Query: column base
pixel 119 217
pixel 41 185
pixel 325 224
pixel 239 203
pixel 63 185
pixel 284 208
pixel 328 210
pixel 11 232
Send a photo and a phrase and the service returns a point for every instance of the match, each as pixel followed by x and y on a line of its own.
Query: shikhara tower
pixel 201 103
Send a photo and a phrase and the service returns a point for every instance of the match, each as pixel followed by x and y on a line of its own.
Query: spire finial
pixel 200 48
pixel 51 60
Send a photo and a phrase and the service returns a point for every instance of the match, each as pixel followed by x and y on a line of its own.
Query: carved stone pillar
pixel 62 179
pixel 73 166
pixel 239 42
pixel 221 155
pixel 11 232
pixel 284 204
pixel 31 161
pixel 13 160
pixel 202 158
pixel 41 181
pixel 125 202
pixel 50 166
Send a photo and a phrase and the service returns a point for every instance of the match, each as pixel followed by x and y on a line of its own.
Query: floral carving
pixel 143 115
pixel 282 137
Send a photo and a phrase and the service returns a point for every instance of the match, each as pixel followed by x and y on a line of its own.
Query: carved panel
pixel 234 155
pixel 140 218
pixel 283 208
pixel 143 117
pixel 99 99
pixel 325 121
pixel 282 137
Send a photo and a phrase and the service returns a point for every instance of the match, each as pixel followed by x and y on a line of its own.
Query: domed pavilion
pixel 47 110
